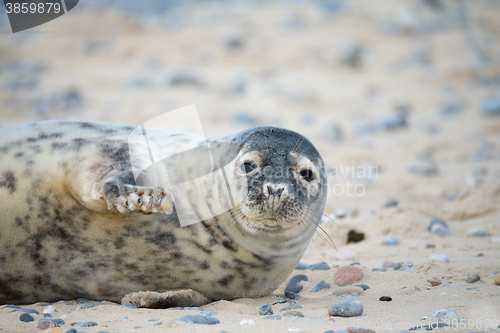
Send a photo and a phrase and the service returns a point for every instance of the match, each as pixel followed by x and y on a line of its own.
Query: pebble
pixel 430 245
pixel 427 168
pixel 354 236
pixel 25 310
pixel 293 314
pixel 52 320
pixel 294 284
pixel 322 266
pixel 452 109
pixel 209 313
pixel 47 324
pixel 275 317
pixel 10 306
pixel 363 286
pixel 233 43
pixel 247 322
pixel 265 310
pixel 350 308
pixel 26 317
pixel 490 106
pixel 388 264
pixel 399 265
pixel 184 78
pixel 355 263
pixel 82 300
pixel 478 254
pixel 291 307
pixel 292 295
pixel 346 275
pixel 438 226
pixel 302 266
pixel 348 290
pixel 439 257
pixel 71 330
pixel 473 278
pixel 296 329
pixel 445 315
pixel 198 319
pixel 88 306
pixel 320 286
pixel 50 309
pixel 477 232
pixel 391 241
pixel 385 299
pixel 434 283
pixel 379 269
pixel 497 279
pixel 359 330
pixel 47 315
pixel 390 203
pixel 350 295
pixel 84 324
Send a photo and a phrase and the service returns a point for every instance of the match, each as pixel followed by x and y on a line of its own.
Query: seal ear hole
pixel 248 166
pixel 307 174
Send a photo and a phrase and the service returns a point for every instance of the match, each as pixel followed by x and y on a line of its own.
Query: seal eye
pixel 248 166
pixel 307 174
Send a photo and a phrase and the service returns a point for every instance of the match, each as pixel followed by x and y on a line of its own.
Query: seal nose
pixel 274 190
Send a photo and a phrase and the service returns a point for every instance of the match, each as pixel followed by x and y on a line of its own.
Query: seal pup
pixel 75 221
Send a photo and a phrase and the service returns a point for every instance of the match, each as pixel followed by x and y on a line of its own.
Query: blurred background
pixel 410 88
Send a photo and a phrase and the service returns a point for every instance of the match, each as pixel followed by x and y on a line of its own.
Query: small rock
pixel 430 245
pixel 266 310
pixel 322 266
pixel 275 317
pixel 354 236
pixel 25 310
pixel 490 106
pixel 363 286
pixel 497 279
pixel 247 322
pixel 47 315
pixel 82 300
pixel 234 43
pixel 390 203
pixel 296 329
pixel 379 269
pixel 11 306
pixel 26 317
pixel 71 330
pixel 350 295
pixel 320 286
pixel 294 284
pixel 473 278
pixel 385 299
pixel 426 168
pixel 47 324
pixel 452 109
pixel 348 290
pixel 184 78
pixel 302 266
pixel 198 319
pixel 359 330
pixel 438 226
pixel 50 309
pixel 477 232
pixel 293 314
pixel 292 295
pixel 439 257
pixel 401 265
pixel 388 264
pixel 84 324
pixel 351 55
pixel 391 241
pixel 445 315
pixel 291 307
pixel 478 254
pixel 355 263
pixel 88 306
pixel 346 275
pixel 434 283
pixel 350 308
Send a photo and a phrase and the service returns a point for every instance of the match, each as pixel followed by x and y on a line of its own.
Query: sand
pixel 293 69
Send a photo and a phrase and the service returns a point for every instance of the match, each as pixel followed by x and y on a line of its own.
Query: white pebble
pixel 296 329
pixel 50 309
pixel 439 257
pixel 247 322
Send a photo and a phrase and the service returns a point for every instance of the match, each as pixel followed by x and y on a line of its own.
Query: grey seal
pixel 77 222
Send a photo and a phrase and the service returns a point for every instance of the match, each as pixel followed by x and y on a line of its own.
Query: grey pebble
pixel 478 254
pixel 291 307
pixel 84 324
pixel 47 315
pixel 128 306
pixel 388 264
pixel 198 319
pixel 427 168
pixel 71 330
pixel 294 284
pixel 473 278
pixel 479 233
pixel 322 266
pixel 82 300
pixel 302 266
pixel 445 314
pixel 429 245
pixel 349 295
pixel 379 269
pixel 275 317
pixel 266 310
pixel 362 286
pixel 320 286
pixel 25 310
pixel 391 241
pixel 11 306
pixel 438 227
pixel 184 78
pixel 176 308
pixel 490 106
pixel 233 43
pixel 26 317
pixel 292 295
pixel 194 309
pixel 350 308
pixel 355 263
pixel 209 313
pixel 52 320
pixel 401 265
pixel 390 203
pixel 452 109
pixel 88 306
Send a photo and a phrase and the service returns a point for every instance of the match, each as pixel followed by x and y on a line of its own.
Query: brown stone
pixel 434 282
pixel 347 275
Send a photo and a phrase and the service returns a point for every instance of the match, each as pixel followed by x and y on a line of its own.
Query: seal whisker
pixel 303 138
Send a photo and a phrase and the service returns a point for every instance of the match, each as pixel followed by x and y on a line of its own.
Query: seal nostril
pixel 270 190
pixel 279 191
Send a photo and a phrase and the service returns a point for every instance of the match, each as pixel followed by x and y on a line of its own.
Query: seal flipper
pixel 168 299
pixel 140 199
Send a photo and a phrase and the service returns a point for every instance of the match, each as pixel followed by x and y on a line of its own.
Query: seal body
pixel 76 221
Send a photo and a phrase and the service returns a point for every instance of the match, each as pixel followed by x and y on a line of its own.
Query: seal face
pixel 77 222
